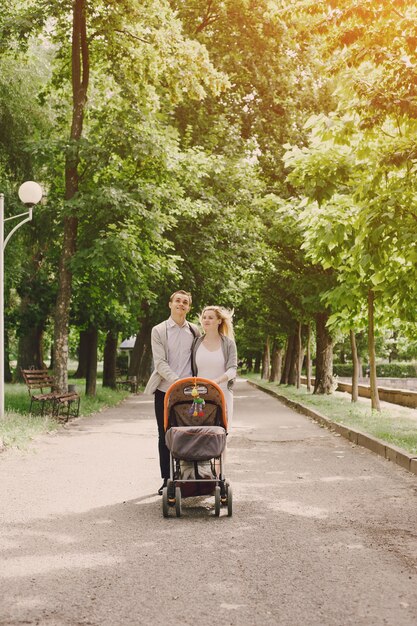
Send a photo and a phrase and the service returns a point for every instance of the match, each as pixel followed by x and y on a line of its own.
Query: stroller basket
pixel 196 443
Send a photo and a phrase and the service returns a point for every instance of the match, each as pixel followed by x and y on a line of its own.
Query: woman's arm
pixel 231 364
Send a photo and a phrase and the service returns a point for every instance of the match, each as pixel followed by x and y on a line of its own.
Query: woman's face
pixel 209 320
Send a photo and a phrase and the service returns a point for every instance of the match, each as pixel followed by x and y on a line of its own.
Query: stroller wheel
pixel 165 506
pixel 171 492
pixel 229 501
pixel 217 501
pixel 178 501
pixel 223 493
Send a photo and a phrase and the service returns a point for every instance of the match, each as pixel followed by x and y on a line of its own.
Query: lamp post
pixel 30 193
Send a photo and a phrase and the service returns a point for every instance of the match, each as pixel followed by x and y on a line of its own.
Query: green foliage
pixel 342 369
pixel 18 427
pixel 17 399
pixel 396 370
pixel 17 430
pixel 261 154
pixel 273 82
pixel 122 362
pixel 383 370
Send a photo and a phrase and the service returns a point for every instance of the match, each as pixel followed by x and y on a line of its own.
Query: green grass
pixel 18 427
pixel 395 424
pixel 17 430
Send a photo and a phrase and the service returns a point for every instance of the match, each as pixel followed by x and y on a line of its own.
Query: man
pixel 171 351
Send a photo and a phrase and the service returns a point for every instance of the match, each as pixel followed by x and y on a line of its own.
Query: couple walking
pixel 179 350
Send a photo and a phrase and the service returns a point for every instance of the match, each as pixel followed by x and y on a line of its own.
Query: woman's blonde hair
pixel 226 316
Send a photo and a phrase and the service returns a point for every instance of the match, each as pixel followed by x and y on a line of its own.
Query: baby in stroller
pixel 195 424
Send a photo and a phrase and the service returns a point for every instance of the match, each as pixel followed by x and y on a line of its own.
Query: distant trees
pixel 260 154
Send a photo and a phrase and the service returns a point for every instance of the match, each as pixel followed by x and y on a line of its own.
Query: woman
pixel 214 354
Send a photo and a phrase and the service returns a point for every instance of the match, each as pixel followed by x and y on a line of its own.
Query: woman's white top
pixel 211 365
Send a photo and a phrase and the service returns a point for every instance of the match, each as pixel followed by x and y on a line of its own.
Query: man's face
pixel 180 304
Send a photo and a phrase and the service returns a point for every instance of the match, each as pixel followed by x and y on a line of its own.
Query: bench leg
pixel 40 404
pixel 70 408
pixel 74 407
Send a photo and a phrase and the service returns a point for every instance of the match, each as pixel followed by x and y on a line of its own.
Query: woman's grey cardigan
pixel 229 353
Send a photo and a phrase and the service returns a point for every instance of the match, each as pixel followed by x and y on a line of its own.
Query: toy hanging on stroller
pixel 195 423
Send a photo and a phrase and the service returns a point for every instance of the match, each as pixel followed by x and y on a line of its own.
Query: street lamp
pixel 30 193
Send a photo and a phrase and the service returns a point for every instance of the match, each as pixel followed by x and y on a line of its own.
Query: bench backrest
pixel 37 379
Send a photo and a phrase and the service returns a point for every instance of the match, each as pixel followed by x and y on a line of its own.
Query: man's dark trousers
pixel 164 458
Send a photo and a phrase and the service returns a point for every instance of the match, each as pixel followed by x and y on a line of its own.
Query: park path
pixel 323 532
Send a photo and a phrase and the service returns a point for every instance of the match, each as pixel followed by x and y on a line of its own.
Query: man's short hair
pixel 183 293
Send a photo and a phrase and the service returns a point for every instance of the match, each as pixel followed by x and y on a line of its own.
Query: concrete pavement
pixel 323 531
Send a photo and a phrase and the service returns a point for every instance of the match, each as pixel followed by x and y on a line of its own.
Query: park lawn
pixel 18 427
pixel 395 424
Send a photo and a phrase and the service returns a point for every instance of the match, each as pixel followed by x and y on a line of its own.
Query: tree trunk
pixel 287 359
pixel 257 366
pixel 30 330
pixel 137 352
pixel 299 357
pixel 52 357
pixel 83 343
pixel 276 364
pixel 308 357
pixel 266 360
pixel 8 377
pixel 360 367
pixel 292 372
pixel 80 78
pixel 91 378
pixel 145 363
pixel 141 356
pixel 30 349
pixel 375 403
pixel 109 359
pixel 142 339
pixel 324 357
pixel 355 362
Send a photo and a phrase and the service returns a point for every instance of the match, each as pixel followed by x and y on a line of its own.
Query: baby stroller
pixel 195 425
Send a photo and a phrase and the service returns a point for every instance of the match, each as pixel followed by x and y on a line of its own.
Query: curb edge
pixel 388 451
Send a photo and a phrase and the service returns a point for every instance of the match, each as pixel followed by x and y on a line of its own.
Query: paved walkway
pixel 323 532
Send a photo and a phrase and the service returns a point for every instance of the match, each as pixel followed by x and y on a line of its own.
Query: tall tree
pixel 80 76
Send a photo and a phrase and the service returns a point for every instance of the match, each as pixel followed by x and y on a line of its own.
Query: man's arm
pixel 159 353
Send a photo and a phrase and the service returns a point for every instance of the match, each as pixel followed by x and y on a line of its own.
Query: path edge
pixel 388 451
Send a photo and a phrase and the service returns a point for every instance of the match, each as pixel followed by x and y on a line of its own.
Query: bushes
pixel 396 370
pixel 122 362
pixel 383 370
pixel 342 369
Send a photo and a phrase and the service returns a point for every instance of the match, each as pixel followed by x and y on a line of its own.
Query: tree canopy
pixel 258 153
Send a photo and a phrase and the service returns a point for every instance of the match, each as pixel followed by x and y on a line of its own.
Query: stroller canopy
pixel 194 402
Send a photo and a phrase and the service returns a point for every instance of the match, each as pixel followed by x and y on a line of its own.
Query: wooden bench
pixel 53 402
pixel 126 382
pixel 67 405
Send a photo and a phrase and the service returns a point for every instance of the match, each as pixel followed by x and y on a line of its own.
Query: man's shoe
pixel 161 488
